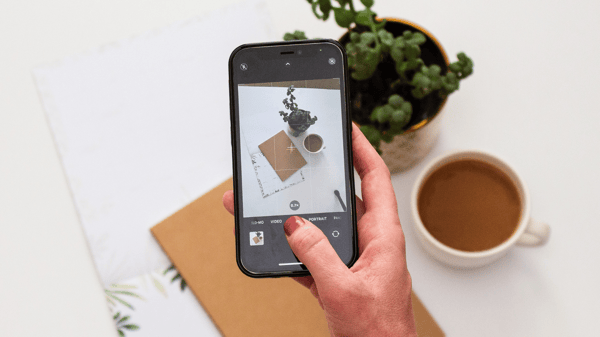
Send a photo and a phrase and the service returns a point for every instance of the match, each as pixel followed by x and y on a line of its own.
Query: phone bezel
pixel 235 150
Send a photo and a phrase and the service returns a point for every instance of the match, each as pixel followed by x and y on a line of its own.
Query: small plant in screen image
pixel 298 120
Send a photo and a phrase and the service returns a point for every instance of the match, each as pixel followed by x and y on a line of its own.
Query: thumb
pixel 313 249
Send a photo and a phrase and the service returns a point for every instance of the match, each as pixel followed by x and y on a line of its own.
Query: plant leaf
pixel 125 292
pixel 296 35
pixel 131 327
pixel 183 284
pixel 171 267
pixel 364 17
pixel 121 301
pixel 109 300
pixel 343 17
pixel 325 7
pixel 367 3
pixel 158 285
pixel 372 134
pixel 122 286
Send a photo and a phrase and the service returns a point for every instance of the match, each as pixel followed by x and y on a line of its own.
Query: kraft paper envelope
pixel 199 241
pixel 282 155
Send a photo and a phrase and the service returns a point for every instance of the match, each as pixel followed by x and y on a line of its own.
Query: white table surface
pixel 531 100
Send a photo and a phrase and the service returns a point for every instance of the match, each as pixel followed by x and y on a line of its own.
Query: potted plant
pixel 400 79
pixel 298 120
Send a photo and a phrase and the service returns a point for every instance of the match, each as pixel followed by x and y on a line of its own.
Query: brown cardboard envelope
pixel 282 154
pixel 199 241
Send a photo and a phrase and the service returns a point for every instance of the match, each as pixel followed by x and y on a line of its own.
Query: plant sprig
pixel 177 276
pixel 298 119
pixel 367 50
pixel 123 325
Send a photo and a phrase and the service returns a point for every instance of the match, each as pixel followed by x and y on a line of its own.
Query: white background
pixel 532 100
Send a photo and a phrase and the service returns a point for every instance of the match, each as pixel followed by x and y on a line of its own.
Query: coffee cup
pixel 470 207
pixel 313 143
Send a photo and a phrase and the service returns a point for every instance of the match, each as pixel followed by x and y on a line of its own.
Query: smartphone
pixel 292 151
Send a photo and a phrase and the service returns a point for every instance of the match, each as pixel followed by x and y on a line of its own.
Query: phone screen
pixel 290 134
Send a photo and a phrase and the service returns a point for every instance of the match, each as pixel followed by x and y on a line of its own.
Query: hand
pixel 372 298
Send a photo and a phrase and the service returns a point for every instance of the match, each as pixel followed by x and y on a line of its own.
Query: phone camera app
pixel 244 66
pixel 257 239
pixel 293 148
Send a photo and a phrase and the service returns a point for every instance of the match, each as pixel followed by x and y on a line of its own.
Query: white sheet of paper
pixel 158 307
pixel 142 128
pixel 268 180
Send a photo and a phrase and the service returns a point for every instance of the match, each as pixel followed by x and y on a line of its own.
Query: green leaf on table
pixel 131 327
pixel 158 285
pixel 176 277
pixel 128 293
pixel 121 301
pixel 171 267
pixel 122 286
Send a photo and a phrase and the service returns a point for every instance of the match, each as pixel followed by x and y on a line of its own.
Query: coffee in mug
pixel 470 207
pixel 313 143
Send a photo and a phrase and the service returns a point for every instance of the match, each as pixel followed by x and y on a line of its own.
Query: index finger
pixel 376 184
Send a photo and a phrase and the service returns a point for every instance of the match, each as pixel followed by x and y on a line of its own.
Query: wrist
pixel 403 329
pixel 399 322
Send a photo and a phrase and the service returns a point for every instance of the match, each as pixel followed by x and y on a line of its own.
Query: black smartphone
pixel 292 151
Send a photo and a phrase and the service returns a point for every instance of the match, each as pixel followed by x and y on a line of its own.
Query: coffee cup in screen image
pixel 313 143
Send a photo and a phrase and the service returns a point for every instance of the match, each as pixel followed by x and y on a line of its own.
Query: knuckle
pixel 385 171
pixel 408 280
pixel 401 242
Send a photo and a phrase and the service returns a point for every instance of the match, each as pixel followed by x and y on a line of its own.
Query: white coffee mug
pixel 313 135
pixel 529 232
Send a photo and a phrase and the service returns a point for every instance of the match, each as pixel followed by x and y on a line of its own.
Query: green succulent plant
pixel 368 49
pixel 299 120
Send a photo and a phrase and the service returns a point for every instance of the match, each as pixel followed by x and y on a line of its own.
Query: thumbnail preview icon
pixel 257 239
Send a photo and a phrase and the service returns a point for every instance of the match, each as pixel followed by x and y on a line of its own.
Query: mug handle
pixel 536 234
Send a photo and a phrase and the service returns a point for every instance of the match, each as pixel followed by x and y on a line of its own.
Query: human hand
pixel 372 298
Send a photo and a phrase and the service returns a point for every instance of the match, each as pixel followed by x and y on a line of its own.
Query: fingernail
pixel 292 224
